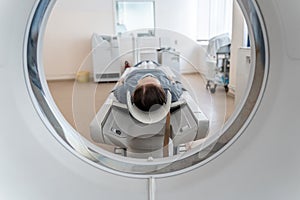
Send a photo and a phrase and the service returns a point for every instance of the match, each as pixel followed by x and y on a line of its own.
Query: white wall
pixel 67 39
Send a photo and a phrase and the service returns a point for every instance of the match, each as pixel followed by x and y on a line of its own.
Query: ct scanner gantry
pixel 42 159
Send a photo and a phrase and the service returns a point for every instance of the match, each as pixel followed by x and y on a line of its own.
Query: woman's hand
pixel 171 79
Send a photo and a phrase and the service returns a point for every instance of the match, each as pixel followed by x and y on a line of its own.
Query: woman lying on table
pixel 147 87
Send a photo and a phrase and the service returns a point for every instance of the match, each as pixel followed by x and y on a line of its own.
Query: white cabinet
pixel 105 53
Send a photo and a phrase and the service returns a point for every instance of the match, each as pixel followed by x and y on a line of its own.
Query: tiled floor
pixel 79 102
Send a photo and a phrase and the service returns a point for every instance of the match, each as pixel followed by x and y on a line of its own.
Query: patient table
pixel 114 125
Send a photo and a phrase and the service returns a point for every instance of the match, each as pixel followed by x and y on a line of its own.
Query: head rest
pixel 151 116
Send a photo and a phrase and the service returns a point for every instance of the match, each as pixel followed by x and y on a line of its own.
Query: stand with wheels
pixel 222 69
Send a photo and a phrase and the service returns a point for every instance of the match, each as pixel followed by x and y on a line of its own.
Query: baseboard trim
pixel 60 77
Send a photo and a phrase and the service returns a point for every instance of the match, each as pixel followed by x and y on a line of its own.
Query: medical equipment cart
pixel 221 70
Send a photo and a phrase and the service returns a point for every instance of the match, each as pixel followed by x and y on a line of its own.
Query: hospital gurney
pixel 115 125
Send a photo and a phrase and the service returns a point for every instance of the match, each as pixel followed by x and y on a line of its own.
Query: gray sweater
pixel 133 77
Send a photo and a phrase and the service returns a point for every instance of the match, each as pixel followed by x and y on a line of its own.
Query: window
pixel 134 14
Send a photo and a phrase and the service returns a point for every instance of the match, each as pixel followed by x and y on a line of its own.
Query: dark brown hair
pixel 148 96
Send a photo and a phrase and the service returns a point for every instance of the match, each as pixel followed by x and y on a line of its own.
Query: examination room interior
pixel 186 28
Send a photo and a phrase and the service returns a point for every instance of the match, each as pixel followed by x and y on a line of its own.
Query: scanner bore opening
pixel 104 160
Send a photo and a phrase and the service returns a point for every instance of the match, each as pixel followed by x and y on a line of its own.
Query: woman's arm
pixel 120 82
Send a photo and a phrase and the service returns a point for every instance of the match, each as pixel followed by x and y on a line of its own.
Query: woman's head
pixel 149 94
